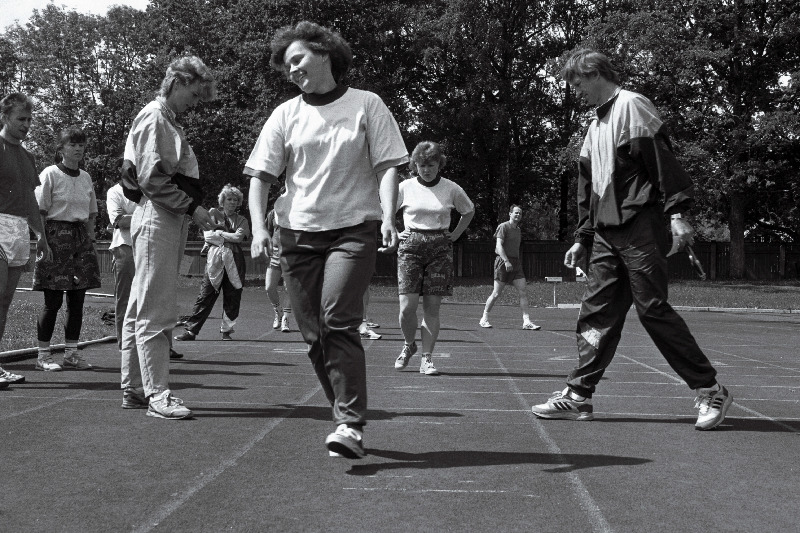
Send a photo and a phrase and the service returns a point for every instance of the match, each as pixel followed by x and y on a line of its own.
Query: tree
pixel 721 95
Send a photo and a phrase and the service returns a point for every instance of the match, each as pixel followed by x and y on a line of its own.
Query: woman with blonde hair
pixel 225 267
pixel 160 173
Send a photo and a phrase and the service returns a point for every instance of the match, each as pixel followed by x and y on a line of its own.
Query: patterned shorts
pixel 508 276
pixel 74 262
pixel 425 264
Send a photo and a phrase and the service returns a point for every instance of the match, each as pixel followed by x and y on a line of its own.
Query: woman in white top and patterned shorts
pixel 340 148
pixel 67 200
pixel 425 255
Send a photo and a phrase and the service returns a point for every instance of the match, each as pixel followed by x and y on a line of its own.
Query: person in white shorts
pixel 19 211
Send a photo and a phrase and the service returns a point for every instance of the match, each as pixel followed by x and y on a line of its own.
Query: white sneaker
pixel 75 361
pixel 530 325
pixel 371 324
pixel 276 323
pixel 369 334
pixel 9 377
pixel 47 364
pixel 484 323
pixel 285 323
pixel 713 406
pixel 346 442
pixel 165 405
pixel 561 405
pixel 405 356
pixel 426 366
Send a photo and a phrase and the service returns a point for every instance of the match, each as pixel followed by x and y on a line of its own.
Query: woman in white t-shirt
pixel 68 203
pixel 425 255
pixel 340 149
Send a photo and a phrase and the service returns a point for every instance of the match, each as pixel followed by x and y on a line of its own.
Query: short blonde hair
pixel 586 62
pixel 230 190
pixel 187 70
pixel 427 151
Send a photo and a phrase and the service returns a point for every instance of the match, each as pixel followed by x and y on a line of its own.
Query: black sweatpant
pixel 629 265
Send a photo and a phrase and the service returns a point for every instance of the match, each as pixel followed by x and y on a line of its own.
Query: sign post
pixel 555 281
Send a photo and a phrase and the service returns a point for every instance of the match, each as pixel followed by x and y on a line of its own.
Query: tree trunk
pixel 565 191
pixel 736 221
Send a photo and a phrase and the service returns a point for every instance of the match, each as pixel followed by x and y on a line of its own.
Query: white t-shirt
pixel 332 154
pixel 429 208
pixel 66 198
pixel 117 206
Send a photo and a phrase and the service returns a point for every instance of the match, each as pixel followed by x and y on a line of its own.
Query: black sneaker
pixel 175 355
pixel 226 336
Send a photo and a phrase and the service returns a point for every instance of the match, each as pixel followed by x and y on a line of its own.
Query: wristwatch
pixel 675 216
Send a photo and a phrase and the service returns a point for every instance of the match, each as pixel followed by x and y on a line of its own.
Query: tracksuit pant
pixel 628 264
pixel 231 301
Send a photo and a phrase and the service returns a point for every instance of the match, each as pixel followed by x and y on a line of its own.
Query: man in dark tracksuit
pixel 629 179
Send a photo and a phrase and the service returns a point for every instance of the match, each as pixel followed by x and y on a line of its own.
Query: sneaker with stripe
pixel 563 406
pixel 713 405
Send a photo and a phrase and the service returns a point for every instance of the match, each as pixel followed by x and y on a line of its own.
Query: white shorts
pixel 15 243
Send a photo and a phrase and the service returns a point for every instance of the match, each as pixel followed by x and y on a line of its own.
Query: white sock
pixel 575 396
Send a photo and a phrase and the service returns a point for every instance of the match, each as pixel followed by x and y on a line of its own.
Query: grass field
pixel 21 326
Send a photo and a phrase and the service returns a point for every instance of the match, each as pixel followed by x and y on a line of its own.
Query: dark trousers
pixel 231 301
pixel 629 265
pixel 124 270
pixel 74 317
pixel 326 274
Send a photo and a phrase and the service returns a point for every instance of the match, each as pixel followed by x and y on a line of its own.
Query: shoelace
pixel 173 400
pixel 703 402
pixel 348 432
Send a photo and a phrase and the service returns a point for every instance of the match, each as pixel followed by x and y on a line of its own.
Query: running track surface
pixel 457 452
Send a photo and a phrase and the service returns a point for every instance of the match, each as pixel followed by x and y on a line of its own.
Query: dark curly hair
pixel 319 39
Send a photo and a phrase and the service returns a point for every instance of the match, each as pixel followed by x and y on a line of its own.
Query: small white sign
pixel 554 279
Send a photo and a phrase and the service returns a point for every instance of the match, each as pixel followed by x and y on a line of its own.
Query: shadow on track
pixel 468 458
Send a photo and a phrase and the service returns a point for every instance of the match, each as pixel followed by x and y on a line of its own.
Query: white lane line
pixel 456 491
pixel 179 499
pixel 737 404
pixel 773 420
pixel 597 520
pixel 79 396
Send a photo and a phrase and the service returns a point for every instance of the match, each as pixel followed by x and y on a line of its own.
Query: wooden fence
pixel 475 259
